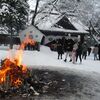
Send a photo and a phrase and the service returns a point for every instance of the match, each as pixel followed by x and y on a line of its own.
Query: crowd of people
pixel 32 47
pixel 76 50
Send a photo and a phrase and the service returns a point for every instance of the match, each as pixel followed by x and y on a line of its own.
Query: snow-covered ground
pixel 86 74
pixel 46 57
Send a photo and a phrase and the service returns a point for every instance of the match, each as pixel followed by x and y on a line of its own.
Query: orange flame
pixel 17 82
pixel 26 41
pixel 13 66
pixel 3 75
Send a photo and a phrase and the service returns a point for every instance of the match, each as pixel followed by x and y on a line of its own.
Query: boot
pixel 65 60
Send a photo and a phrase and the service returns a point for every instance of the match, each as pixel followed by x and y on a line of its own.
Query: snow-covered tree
pixel 97 21
pixel 84 9
pixel 14 14
pixel 40 6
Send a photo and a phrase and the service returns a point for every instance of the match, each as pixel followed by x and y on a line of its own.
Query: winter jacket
pixel 75 46
pixel 95 50
pixel 69 45
pixel 60 49
pixel 85 48
pixel 79 49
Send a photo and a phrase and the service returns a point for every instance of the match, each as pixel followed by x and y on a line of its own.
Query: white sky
pixel 32 4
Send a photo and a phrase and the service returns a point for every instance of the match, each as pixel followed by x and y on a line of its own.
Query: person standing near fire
pixel 85 50
pixel 95 52
pixel 59 49
pixel 69 48
pixel 99 51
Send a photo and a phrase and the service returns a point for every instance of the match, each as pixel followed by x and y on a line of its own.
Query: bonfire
pixel 12 71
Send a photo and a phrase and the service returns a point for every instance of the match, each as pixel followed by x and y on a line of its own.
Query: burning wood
pixel 11 68
pixel 15 73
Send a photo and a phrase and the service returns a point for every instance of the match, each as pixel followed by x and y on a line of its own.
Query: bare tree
pixel 35 12
pixel 36 9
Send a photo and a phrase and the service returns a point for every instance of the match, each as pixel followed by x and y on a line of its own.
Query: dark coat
pixel 69 45
pixel 60 49
pixel 99 49
pixel 79 49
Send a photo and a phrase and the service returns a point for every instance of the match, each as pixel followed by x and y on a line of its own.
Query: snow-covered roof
pixel 47 22
pixel 77 23
pixel 55 29
pixel 48 17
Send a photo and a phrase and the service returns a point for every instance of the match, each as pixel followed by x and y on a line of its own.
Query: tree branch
pixel 35 12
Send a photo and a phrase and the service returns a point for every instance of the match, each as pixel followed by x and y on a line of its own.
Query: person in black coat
pixel 89 50
pixel 84 51
pixel 68 48
pixel 60 50
pixel 99 51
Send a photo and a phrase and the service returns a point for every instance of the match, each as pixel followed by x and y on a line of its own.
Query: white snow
pixel 3 30
pixel 32 4
pixel 78 24
pixel 66 31
pixel 45 58
pixel 46 21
